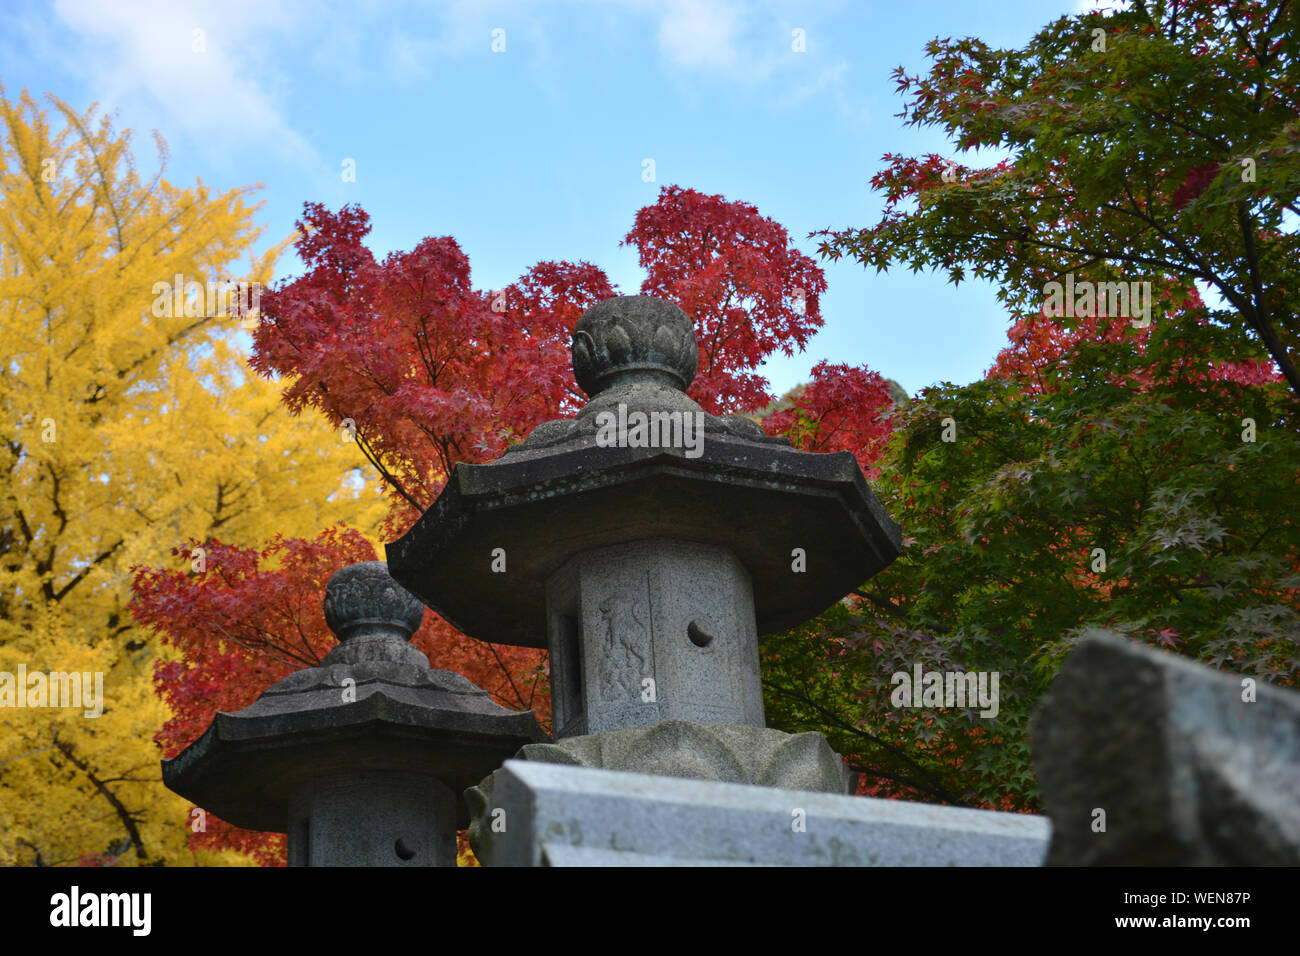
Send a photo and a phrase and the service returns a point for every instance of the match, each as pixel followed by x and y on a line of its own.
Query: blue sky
pixel 536 151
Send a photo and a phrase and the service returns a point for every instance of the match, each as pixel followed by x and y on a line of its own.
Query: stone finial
pixel 634 338
pixel 362 600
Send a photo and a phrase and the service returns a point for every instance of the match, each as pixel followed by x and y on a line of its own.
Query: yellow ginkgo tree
pixel 129 427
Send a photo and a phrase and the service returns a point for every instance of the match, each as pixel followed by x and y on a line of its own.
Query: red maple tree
pixel 425 369
pixel 842 409
pixel 1039 342
pixel 737 274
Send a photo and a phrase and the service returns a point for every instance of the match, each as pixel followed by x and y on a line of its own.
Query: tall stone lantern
pixel 646 544
pixel 630 561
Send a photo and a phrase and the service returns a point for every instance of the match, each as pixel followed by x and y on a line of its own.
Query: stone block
pixel 549 814
pixel 1184 765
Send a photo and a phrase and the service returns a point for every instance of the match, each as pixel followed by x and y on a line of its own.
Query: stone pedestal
pixel 651 630
pixel 722 753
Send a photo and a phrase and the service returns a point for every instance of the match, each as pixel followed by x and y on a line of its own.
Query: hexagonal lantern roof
pixel 400 716
pixel 587 482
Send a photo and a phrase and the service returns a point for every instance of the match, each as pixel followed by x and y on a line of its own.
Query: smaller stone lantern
pixel 361 759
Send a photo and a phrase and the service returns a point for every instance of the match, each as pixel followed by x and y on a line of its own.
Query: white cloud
pixel 750 43
pixel 698 35
pixel 210 87
pixel 466 28
pixel 831 81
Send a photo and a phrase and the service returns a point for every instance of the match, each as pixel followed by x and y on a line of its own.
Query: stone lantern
pixel 362 759
pixel 646 544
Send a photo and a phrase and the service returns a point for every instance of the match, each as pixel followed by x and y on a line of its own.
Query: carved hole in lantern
pixel 403 851
pixel 697 635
